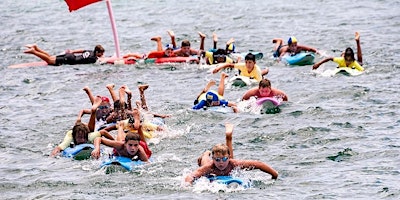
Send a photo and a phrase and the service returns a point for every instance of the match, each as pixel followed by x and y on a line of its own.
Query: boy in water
pixel 292 47
pixel 249 68
pixel 209 98
pixel 83 133
pixel 264 89
pixel 221 162
pixel 347 59
pixel 128 145
pixel 71 57
pixel 185 50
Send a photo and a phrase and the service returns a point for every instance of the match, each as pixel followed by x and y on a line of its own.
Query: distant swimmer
pixel 71 57
pixel 347 59
pixel 291 47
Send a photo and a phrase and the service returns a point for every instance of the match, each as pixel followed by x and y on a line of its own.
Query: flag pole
pixel 114 28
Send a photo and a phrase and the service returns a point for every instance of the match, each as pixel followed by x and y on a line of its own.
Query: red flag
pixel 76 4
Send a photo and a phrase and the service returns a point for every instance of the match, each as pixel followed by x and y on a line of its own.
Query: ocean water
pixel 336 138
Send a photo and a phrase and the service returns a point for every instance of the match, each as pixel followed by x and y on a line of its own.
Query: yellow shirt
pixel 68 139
pixel 210 57
pixel 147 128
pixel 342 63
pixel 255 73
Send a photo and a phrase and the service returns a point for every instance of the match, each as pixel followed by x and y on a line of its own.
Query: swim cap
pixel 105 99
pixel 210 96
pixel 292 40
pixel 231 47
pixel 169 46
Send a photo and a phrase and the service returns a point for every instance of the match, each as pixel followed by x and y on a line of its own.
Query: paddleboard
pixel 126 163
pixel 220 109
pixel 347 71
pixel 29 64
pixel 131 61
pixel 229 181
pixel 300 59
pixel 242 81
pixel 79 152
pixel 269 105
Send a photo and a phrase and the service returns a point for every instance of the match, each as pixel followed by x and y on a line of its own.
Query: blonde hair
pixel 220 148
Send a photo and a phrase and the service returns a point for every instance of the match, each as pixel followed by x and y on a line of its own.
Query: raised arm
pixel 316 65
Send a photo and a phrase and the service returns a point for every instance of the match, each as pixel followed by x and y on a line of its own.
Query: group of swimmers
pixel 130 123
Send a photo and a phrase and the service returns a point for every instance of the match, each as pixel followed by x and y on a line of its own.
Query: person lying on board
pixel 130 145
pixel 347 59
pixel 215 56
pixel 249 68
pixel 264 89
pixel 159 53
pixel 144 127
pixel 71 57
pixel 185 50
pixel 82 133
pixel 208 98
pixel 292 48
pixel 103 111
pixel 220 161
pixel 122 109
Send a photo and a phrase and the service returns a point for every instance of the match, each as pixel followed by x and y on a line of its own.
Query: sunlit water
pixel 336 138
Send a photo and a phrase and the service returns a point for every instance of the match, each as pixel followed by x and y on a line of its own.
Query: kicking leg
pixel 110 88
pixel 34 46
pixel 204 159
pixel 92 120
pixel 202 38
pixel 228 44
pixel 215 40
pixel 142 88
pixel 228 138
pixel 359 53
pixel 221 86
pixel 159 44
pixel 129 100
pixel 278 42
pixel 49 59
pixel 172 36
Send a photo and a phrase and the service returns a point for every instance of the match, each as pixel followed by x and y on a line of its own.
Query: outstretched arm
pixel 199 172
pixel 249 93
pixel 316 65
pixel 307 48
pixel 254 164
pixel 230 65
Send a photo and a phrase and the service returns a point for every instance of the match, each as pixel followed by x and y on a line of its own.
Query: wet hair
pixel 250 56
pixel 185 43
pixel 264 83
pixel 80 127
pixel 132 136
pixel 349 52
pixel 218 53
pixel 98 49
pixel 220 148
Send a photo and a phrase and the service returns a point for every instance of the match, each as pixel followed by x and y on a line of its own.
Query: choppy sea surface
pixel 336 138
